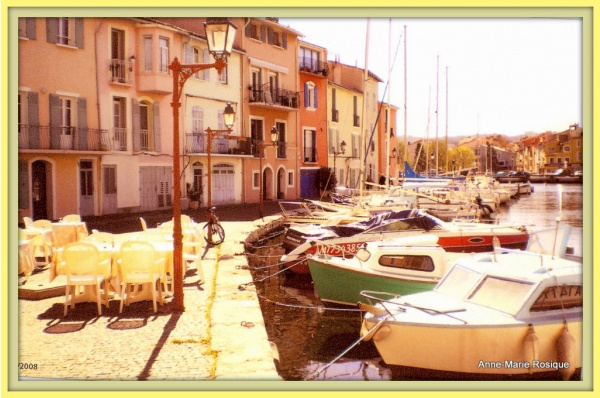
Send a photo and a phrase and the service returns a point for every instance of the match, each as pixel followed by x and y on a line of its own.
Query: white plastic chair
pixel 72 218
pixel 105 238
pixel 192 253
pixel 42 244
pixel 28 222
pixel 139 266
pixel 83 268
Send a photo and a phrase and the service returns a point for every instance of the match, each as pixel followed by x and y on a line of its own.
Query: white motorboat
pixel 508 313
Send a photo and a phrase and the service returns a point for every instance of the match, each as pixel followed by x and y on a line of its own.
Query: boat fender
pixel 382 333
pixel 530 347
pixel 565 352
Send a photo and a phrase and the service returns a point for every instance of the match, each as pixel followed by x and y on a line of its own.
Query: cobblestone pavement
pixel 219 336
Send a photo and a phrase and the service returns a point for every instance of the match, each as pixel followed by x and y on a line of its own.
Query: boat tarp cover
pixel 413 218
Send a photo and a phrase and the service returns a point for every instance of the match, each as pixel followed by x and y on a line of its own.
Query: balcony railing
pixel 121 71
pixel 63 138
pixel 268 95
pixel 198 143
pixel 311 65
pixel 120 139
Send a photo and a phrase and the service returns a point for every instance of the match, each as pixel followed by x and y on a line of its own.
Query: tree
pixel 463 156
pixel 326 179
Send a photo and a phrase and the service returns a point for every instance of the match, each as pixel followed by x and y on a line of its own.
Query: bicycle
pixel 215 234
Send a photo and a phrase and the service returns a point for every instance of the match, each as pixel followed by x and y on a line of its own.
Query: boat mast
pixel 405 159
pixel 447 152
pixel 364 113
pixel 437 114
pixel 389 114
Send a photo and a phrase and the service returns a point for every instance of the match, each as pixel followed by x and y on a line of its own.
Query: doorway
pixel 39 189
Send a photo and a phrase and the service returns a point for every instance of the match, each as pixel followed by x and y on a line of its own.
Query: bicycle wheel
pixel 215 234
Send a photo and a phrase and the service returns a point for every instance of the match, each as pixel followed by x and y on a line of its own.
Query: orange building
pixel 313 116
pixel 271 100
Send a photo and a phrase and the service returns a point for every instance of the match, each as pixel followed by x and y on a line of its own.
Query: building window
pixel 355 145
pixel 252 31
pixel 290 178
pixel 310 145
pixel 145 126
pixel 256 132
pixel 281 150
pixel 255 179
pixel 148 53
pixel 310 95
pixel 309 60
pixel 334 140
pixel 356 121
pixel 206 60
pixel 222 77
pixel 27 28
pixel 335 116
pixel 255 85
pixel 567 148
pixel 273 37
pixel 66 31
pixel 67 122
pixel 119 124
pixel 163 50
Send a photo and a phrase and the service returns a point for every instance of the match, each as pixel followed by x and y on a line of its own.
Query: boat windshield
pixel 392 221
pixel 458 282
pixel 503 294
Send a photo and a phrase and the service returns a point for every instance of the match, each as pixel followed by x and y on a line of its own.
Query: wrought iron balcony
pixel 314 66
pixel 63 138
pixel 121 71
pixel 197 143
pixel 273 96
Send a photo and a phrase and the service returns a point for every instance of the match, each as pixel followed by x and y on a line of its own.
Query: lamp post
pixel 335 155
pixel 229 118
pixel 261 150
pixel 220 33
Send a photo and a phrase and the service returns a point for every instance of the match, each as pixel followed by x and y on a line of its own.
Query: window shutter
pixel 33 119
pixel 187 53
pixel 135 124
pixel 316 95
pixel 54 121
pixel 51 30
pixel 206 60
pixel 284 40
pixel 31 28
pixel 156 121
pixel 306 95
pixel 263 34
pixel 79 32
pixel 23 185
pixel 248 30
pixel 270 35
pixel 330 140
pixel 82 125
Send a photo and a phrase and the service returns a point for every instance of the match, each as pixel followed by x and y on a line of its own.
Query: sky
pixel 501 76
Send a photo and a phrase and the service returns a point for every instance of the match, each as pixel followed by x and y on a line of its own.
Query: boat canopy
pixel 409 219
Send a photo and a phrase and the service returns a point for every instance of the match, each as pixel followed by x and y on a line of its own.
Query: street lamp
pixel 228 118
pixel 220 33
pixel 336 153
pixel 261 150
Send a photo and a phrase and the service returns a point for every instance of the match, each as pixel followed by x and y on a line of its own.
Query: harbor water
pixel 316 341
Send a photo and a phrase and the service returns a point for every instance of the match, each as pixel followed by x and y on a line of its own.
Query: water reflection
pixel 309 338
